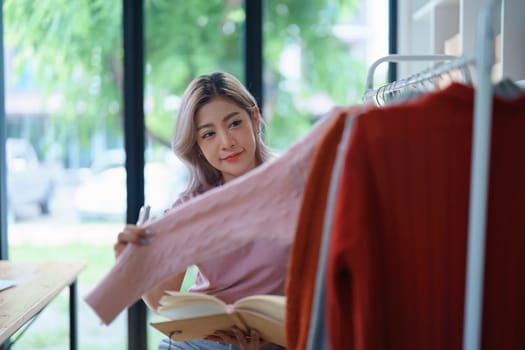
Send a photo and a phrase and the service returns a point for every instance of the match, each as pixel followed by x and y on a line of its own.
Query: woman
pixel 218 136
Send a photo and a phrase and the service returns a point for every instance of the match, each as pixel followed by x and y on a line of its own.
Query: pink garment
pixel 259 267
pixel 262 205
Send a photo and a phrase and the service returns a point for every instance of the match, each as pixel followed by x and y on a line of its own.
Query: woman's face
pixel 226 137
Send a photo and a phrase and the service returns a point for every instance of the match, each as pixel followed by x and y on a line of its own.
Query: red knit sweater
pixel 396 266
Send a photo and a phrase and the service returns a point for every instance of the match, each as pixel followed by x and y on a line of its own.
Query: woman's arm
pixel 133 234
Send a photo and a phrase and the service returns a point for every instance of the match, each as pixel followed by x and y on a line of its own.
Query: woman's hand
pixel 131 234
pixel 238 338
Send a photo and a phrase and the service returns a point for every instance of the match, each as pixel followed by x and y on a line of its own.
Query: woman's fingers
pixel 255 341
pixel 130 234
pixel 242 340
pixel 238 338
pixel 223 337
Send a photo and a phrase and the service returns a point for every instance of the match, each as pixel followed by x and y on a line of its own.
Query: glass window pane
pixel 316 55
pixel 66 181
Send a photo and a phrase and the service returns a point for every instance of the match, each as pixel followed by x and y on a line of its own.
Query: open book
pixel 197 315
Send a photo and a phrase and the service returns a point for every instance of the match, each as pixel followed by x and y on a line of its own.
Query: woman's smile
pixel 233 157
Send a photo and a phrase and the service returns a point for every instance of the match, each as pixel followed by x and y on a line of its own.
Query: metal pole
pixel 73 316
pixel 134 139
pixel 481 138
pixel 253 49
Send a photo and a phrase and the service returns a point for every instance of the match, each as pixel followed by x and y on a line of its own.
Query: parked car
pixel 29 181
pixel 102 194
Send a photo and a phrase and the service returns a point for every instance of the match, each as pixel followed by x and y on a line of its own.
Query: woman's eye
pixel 235 123
pixel 207 134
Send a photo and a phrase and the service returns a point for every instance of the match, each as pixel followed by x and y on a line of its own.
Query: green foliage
pixel 326 63
pixel 75 48
pixel 185 39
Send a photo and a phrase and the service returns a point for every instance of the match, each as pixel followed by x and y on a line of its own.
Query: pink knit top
pixel 259 267
pixel 250 215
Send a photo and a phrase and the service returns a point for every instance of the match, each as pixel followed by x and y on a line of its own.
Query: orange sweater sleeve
pixel 305 249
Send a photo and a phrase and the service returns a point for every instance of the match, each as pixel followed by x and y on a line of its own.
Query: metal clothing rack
pixel 371 93
pixel 479 175
pixel 483 61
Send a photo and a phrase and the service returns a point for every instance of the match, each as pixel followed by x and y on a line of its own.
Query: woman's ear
pixel 256 119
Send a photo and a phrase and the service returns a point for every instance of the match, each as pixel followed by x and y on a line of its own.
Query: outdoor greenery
pixel 99 258
pixel 76 48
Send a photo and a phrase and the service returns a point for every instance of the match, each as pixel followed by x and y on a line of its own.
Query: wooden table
pixel 38 283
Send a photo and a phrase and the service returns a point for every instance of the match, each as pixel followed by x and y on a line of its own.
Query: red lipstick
pixel 233 157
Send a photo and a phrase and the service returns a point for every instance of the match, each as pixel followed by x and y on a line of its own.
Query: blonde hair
pixel 203 176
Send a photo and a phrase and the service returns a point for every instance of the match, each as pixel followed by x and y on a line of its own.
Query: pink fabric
pixel 262 205
pixel 259 267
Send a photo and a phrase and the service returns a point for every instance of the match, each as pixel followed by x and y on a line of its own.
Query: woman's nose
pixel 227 141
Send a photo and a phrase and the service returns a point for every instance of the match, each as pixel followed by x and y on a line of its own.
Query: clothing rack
pixel 428 74
pixel 483 61
pixel 479 176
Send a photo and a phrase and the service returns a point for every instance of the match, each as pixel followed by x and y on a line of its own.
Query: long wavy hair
pixel 203 176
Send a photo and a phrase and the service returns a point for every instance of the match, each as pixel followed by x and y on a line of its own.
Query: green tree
pixel 75 47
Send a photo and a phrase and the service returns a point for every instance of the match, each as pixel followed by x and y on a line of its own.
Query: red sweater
pixel 396 266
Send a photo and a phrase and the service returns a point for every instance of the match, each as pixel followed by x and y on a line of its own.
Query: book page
pixel 195 328
pixel 189 311
pixel 182 305
pixel 173 297
pixel 271 306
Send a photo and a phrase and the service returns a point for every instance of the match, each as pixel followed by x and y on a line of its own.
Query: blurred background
pixel 64 115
